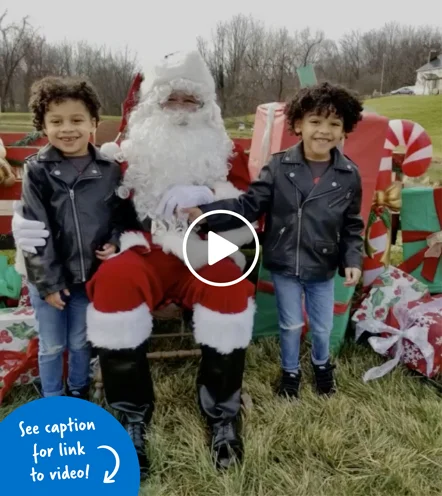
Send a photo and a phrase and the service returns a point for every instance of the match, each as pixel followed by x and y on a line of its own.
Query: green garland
pixel 28 139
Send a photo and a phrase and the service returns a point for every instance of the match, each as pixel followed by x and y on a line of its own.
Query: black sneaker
pixel 82 394
pixel 289 385
pixel 324 379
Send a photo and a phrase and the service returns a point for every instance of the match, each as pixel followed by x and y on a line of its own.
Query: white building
pixel 429 77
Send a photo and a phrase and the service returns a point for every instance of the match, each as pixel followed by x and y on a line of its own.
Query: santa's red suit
pixel 167 148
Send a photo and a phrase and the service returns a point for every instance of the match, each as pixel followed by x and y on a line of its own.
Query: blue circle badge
pixel 66 446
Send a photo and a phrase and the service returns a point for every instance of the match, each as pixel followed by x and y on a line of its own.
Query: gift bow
pixel 390 199
pixel 434 242
pixel 418 335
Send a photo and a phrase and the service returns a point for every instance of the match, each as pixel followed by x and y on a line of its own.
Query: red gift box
pixel 411 334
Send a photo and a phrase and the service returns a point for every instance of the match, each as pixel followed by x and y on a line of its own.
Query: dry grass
pixel 380 438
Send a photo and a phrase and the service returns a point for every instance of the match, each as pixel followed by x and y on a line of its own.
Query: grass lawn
pixel 425 110
pixel 380 438
pixel 377 439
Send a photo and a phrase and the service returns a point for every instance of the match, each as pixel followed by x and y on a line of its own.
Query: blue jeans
pixel 319 303
pixel 59 330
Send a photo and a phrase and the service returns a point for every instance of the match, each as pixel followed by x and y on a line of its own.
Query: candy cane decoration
pixel 418 155
pixel 417 142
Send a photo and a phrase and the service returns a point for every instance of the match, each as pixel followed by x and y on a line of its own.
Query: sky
pixel 153 29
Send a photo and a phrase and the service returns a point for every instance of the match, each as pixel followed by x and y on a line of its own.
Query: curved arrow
pixel 108 479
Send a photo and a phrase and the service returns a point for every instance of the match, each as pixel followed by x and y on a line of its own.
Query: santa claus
pixel 178 155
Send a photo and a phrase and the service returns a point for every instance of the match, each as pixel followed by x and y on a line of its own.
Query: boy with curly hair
pixel 311 197
pixel 69 187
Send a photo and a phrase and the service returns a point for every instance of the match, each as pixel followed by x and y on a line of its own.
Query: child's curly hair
pixel 323 99
pixel 58 89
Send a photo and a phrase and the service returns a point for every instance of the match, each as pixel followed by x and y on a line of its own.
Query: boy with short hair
pixel 311 197
pixel 69 187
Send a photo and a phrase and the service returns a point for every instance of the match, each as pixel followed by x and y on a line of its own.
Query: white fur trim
pixel 118 330
pixel 112 151
pixel 224 332
pixel 197 249
pixel 225 190
pixel 20 266
pixel 187 66
pixel 240 259
pixel 130 239
pixel 239 237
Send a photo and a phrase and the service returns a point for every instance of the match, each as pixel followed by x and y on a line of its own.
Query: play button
pixel 219 248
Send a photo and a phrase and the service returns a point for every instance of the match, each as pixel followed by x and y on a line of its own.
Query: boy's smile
pixel 320 134
pixel 68 126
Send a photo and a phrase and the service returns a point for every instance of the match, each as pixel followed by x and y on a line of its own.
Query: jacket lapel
pixel 64 171
pixel 298 173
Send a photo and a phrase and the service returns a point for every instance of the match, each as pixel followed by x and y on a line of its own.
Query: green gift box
pixel 421 221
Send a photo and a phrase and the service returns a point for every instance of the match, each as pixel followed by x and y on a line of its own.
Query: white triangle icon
pixel 219 248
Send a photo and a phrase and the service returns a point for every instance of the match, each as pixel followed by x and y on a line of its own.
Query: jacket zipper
pixel 346 197
pixel 299 229
pixel 79 238
pixel 299 240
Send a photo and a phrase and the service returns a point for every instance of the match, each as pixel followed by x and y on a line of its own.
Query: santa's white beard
pixel 168 148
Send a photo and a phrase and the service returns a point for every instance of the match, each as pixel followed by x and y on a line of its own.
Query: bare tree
pixel 15 41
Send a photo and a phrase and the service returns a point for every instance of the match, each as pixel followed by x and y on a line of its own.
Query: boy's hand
pixel 55 300
pixel 352 276
pixel 106 252
pixel 193 214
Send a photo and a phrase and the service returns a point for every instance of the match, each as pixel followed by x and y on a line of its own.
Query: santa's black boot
pixel 129 390
pixel 219 396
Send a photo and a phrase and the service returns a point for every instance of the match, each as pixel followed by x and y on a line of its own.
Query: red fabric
pixel 23 363
pixel 131 101
pixel 429 264
pixel 135 277
pixel 239 174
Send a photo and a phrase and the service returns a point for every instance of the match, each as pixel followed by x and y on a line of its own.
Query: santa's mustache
pixel 162 154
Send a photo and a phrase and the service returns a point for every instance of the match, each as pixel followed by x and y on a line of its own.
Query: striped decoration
pixel 418 156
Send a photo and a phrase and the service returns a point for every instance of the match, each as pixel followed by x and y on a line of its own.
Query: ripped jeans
pixel 319 304
pixel 59 330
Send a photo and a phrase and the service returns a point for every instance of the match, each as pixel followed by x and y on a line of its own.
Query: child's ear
pixel 297 128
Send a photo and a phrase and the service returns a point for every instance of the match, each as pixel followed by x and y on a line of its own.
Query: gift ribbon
pixel 431 254
pixel 406 319
pixel 25 362
pixel 389 199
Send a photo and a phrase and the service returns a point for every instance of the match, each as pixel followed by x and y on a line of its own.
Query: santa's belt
pixel 146 224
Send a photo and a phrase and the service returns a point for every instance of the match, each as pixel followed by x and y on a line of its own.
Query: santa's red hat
pixel 112 149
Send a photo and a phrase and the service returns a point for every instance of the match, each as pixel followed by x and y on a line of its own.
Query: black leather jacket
pixel 80 218
pixel 308 233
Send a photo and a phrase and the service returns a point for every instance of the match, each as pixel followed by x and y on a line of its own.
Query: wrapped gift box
pixel 411 334
pixel 387 290
pixel 421 220
pixel 17 328
pixel 18 348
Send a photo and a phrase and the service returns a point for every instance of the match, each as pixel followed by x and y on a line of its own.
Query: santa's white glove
pixel 183 197
pixel 27 233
